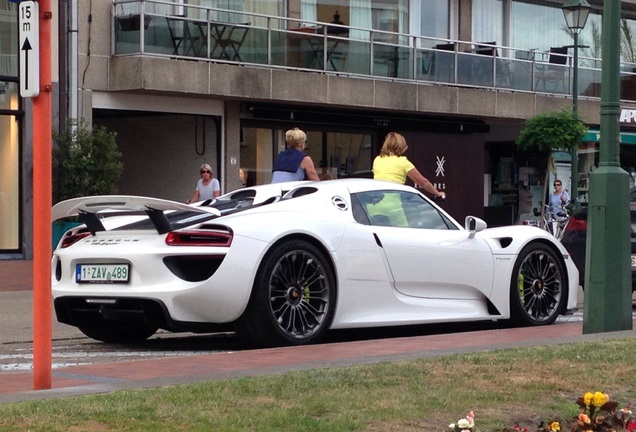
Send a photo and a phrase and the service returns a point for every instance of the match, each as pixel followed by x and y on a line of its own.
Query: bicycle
pixel 555 219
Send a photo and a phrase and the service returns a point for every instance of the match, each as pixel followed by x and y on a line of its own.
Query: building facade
pixel 219 82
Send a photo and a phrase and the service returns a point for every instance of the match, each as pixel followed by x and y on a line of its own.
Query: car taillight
pixel 199 238
pixel 576 224
pixel 71 239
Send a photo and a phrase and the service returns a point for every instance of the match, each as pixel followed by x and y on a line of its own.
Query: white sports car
pixel 283 263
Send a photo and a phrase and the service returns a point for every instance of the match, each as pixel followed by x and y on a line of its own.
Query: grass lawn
pixel 507 387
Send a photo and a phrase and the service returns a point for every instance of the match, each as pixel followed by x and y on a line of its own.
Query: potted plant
pixel 86 161
pixel 543 133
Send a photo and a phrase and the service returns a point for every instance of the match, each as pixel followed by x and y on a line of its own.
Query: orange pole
pixel 42 201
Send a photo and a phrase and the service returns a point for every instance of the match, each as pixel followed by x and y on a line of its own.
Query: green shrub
pixel 545 132
pixel 87 162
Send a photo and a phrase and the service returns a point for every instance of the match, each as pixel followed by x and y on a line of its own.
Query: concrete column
pixel 293 9
pixel 86 106
pixel 464 21
pixel 232 143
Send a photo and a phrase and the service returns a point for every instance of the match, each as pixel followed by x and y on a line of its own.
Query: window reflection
pixel 435 19
pixel 398 209
pixel 389 15
pixel 488 21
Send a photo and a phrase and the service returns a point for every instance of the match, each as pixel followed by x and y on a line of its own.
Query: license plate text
pixel 102 273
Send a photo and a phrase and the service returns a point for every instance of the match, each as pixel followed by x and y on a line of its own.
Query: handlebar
pixel 561 211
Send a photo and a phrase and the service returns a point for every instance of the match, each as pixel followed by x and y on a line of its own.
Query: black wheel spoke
pixel 299 293
pixel 539 285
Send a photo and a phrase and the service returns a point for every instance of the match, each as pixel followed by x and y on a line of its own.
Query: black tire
pixel 119 333
pixel 538 289
pixel 293 299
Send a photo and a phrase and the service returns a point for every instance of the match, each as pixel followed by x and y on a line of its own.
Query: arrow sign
pixel 29 43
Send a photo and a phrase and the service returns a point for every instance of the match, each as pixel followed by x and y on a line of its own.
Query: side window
pixel 399 209
pixel 421 213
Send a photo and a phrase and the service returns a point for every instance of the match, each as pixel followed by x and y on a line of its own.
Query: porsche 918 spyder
pixel 282 264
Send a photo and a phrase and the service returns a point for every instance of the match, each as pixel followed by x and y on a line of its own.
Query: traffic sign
pixel 29 44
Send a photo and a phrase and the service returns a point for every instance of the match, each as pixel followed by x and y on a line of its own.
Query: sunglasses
pixel 557 184
pixel 205 171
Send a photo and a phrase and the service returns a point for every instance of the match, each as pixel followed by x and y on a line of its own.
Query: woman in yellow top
pixel 392 166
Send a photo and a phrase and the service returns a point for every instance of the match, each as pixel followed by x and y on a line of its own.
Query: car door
pixel 428 255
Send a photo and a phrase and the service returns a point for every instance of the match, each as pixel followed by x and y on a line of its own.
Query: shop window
pixel 335 154
pixel 9 180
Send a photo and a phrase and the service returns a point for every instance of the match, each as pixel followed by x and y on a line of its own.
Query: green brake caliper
pixel 520 288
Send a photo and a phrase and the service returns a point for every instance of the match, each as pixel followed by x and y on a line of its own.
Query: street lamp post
pixel 608 290
pixel 575 13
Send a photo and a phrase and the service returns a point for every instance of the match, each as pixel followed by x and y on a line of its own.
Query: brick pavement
pixel 16 275
pixel 107 377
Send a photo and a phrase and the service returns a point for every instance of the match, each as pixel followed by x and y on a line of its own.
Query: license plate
pixel 633 260
pixel 102 273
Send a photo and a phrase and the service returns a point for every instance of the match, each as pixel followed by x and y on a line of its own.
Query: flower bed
pixel 597 413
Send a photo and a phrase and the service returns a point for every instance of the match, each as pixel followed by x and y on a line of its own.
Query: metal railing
pixel 175 30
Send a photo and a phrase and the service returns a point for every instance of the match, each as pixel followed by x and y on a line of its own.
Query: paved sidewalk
pixel 108 377
pixel 16 275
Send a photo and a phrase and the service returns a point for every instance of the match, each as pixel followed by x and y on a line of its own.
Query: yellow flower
pixel 555 426
pixel 600 399
pixel 587 399
pixel 463 424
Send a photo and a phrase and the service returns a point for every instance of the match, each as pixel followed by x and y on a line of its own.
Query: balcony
pixel 179 31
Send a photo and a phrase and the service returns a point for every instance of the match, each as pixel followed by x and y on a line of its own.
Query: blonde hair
pixel 295 137
pixel 206 167
pixel 394 145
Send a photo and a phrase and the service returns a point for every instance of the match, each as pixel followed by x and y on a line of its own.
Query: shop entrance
pixel 335 154
pixel 514 184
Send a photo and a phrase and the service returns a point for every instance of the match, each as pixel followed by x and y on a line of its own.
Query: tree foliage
pixel 562 130
pixel 87 162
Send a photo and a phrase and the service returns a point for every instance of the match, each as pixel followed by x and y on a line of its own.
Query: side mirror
pixel 474 225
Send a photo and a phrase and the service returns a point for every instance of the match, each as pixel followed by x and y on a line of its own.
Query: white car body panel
pixel 384 275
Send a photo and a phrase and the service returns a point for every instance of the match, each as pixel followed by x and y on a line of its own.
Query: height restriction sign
pixel 29 45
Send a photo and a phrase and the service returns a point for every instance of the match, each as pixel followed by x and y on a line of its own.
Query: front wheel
pixel 293 298
pixel 538 290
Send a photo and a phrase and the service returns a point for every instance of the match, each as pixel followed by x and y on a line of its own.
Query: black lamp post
pixel 575 13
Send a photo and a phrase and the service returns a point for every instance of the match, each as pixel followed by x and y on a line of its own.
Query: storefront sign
pixel 628 116
pixel 594 135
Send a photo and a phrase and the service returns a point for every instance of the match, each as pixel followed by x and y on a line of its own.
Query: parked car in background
pixel 575 238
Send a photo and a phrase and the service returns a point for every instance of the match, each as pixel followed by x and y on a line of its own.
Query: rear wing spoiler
pixel 88 208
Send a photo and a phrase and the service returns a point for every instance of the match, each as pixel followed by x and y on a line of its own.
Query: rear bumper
pixel 96 312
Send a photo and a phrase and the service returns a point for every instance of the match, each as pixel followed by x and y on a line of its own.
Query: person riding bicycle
pixel 558 199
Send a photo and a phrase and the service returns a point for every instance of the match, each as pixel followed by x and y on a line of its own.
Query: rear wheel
pixel 538 290
pixel 293 298
pixel 119 333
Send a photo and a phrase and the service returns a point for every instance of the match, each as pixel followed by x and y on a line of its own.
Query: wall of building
pixel 452 162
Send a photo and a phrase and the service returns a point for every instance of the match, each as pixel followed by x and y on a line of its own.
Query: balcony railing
pixel 175 30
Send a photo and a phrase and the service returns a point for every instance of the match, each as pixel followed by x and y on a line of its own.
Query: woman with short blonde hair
pixel 295 137
pixel 293 164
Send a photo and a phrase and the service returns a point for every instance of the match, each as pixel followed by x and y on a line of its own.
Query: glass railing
pixel 175 30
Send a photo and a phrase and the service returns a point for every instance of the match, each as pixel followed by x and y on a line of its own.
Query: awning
pixel 594 135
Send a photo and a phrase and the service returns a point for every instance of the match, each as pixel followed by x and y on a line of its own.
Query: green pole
pixel 607 303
